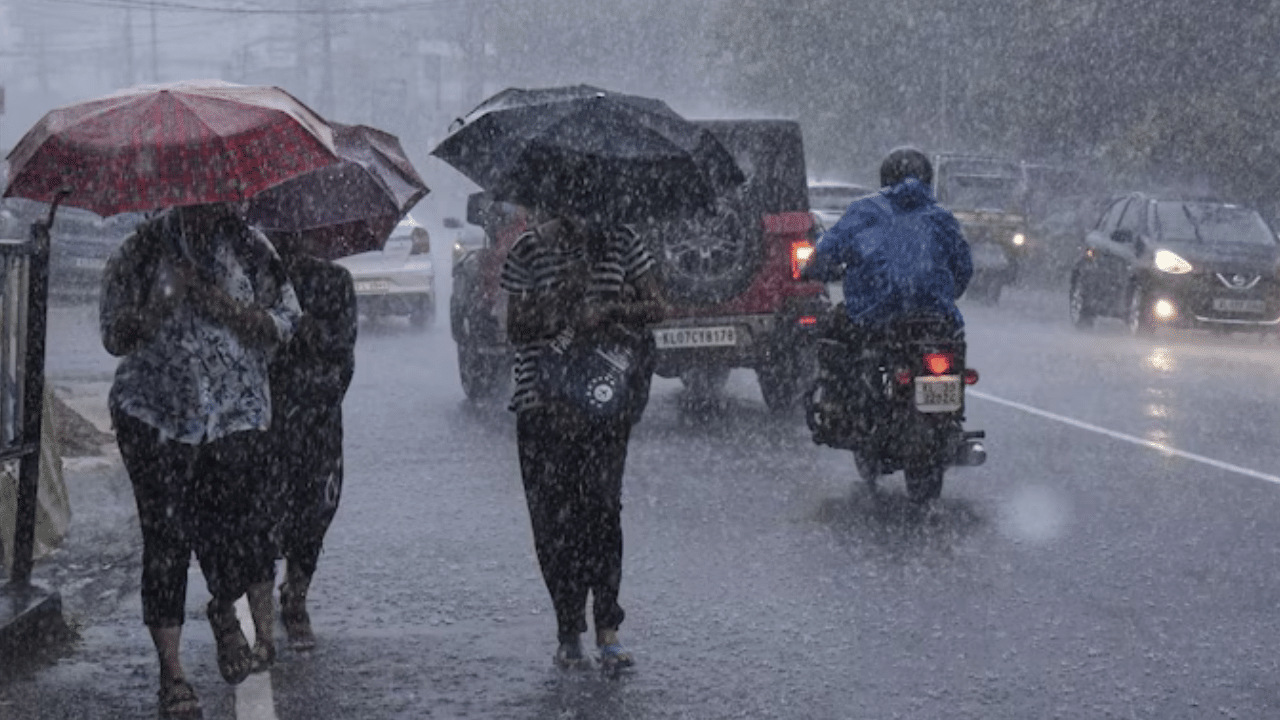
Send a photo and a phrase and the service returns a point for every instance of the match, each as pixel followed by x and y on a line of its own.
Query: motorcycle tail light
pixel 938 363
pixel 903 377
pixel 807 320
pixel 970 377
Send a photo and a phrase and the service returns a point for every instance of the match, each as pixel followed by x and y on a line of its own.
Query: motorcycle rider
pixel 899 253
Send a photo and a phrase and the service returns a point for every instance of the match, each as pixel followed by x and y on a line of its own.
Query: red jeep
pixel 731 277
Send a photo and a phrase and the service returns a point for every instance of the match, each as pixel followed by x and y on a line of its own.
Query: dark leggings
pixel 207 499
pixel 307 455
pixel 572 469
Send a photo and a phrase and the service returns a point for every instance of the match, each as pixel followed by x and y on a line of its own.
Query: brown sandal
pixel 235 657
pixel 178 701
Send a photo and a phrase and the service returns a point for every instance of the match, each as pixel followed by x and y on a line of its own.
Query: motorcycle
pixel 895 398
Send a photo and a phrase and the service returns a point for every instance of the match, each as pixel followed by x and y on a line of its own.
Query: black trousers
pixel 572 468
pixel 306 456
pixel 207 499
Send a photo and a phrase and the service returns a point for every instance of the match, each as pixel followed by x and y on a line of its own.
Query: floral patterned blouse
pixel 195 380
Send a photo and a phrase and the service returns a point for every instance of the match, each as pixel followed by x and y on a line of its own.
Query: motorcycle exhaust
pixel 972 454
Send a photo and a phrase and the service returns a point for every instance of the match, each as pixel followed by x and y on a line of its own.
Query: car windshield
pixel 1194 222
pixel 982 192
pixel 835 197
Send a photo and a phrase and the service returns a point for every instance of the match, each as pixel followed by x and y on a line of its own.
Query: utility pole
pixel 326 47
pixel 300 64
pixel 155 47
pixel 128 47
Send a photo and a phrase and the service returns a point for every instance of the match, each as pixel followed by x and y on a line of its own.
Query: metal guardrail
pixel 24 304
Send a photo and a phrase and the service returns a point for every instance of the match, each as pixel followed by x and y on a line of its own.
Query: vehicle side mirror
pixel 421 241
pixel 478 205
pixel 1123 236
pixel 451 223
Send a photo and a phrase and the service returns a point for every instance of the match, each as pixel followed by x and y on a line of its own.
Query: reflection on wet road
pixel 1116 556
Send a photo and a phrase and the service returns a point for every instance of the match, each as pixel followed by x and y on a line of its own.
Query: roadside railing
pixel 24 295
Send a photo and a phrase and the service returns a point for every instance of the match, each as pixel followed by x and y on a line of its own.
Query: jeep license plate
pixel 1237 305
pixel 696 337
pixel 942 393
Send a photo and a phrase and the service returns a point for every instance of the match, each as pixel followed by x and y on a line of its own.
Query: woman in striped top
pixel 568 273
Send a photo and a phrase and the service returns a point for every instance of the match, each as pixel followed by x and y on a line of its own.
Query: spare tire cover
pixel 711 257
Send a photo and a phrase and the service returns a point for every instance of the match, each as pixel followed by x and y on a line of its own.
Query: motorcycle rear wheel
pixel 924 483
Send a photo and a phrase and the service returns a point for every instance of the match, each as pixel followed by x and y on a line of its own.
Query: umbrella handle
pixel 53 207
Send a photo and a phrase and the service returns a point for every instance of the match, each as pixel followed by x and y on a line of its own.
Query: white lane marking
pixel 1161 447
pixel 254 699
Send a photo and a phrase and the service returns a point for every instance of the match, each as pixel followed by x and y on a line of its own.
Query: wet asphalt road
pixel 1082 573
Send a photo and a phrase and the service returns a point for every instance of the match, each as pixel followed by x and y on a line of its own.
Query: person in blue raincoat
pixel 898 251
pixel 899 254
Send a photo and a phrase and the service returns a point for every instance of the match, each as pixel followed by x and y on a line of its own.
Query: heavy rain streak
pixel 654 359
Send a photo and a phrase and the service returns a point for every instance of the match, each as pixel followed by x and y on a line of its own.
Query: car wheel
pixel 924 483
pixel 1081 314
pixel 1139 317
pixel 868 468
pixel 423 314
pixel 984 291
pixel 483 376
pixel 784 378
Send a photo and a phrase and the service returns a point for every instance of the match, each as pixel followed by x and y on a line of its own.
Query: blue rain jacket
pixel 901 253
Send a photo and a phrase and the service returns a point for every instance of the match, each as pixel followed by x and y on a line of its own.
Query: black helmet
pixel 905 162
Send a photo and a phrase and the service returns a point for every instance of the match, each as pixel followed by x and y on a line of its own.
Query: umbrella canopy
pixel 157 146
pixel 351 206
pixel 590 151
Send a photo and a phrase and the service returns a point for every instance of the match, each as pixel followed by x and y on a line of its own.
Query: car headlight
pixel 1170 262
pixel 1019 239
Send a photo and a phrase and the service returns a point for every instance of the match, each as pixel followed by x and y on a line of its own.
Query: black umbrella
pixel 350 206
pixel 589 151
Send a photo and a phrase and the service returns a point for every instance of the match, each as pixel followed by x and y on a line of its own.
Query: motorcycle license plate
pixel 942 393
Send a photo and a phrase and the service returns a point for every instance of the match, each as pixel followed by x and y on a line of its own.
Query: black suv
pixel 731 278
pixel 1155 261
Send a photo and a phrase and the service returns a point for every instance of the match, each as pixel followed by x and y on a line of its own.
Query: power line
pixel 177 5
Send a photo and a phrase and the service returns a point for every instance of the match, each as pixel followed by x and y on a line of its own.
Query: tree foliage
pixel 1156 91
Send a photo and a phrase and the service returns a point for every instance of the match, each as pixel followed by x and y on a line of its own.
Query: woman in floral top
pixel 195 303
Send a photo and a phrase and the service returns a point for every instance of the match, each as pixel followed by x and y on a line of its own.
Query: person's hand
pixel 167 291
pixel 591 315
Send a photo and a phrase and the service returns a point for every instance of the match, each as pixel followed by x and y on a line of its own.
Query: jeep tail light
pixel 938 363
pixel 970 377
pixel 801 251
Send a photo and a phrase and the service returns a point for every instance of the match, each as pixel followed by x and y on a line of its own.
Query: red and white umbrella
pixel 156 146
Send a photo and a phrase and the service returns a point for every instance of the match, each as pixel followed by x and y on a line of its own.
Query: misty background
pixel 1136 94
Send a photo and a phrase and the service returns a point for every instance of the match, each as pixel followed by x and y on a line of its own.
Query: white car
pixel 399 279
pixel 829 199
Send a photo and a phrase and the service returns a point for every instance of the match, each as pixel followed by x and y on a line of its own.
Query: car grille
pixel 1223 296
pixel 1238 281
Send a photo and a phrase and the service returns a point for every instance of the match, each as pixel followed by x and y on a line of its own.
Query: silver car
pixel 829 199
pixel 399 279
